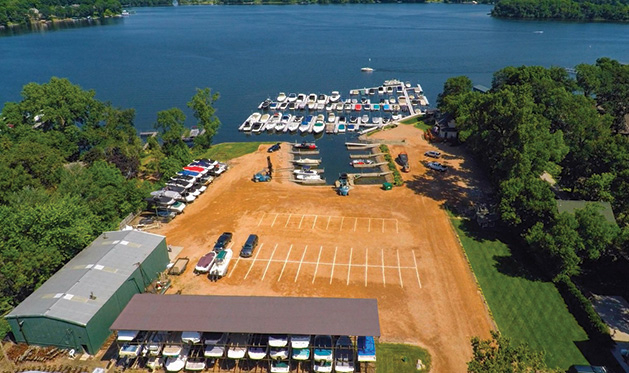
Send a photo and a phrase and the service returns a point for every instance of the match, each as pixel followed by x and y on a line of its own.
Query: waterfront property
pixel 76 306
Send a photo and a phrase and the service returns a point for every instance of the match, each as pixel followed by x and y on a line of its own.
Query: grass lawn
pixel 228 150
pixel 525 308
pixel 417 122
pixel 400 358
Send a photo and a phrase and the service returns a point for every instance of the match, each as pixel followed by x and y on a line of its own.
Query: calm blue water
pixel 154 59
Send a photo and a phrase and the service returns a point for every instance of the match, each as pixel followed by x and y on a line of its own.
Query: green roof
pixel 605 208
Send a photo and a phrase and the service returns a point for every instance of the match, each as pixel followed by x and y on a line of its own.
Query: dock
pixel 309 182
pixel 360 145
pixel 329 128
pixel 373 165
pixel 355 176
pixel 359 156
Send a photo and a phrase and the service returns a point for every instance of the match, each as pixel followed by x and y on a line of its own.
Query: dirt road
pixel 396 246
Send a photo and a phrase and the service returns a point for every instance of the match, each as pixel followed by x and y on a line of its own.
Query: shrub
pixel 581 307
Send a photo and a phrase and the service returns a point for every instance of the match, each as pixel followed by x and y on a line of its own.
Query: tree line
pixel 72 167
pixel 574 10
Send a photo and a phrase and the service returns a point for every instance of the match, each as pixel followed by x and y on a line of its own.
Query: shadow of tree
pixel 513 266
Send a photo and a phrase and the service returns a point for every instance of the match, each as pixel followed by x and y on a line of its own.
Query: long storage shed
pixel 77 305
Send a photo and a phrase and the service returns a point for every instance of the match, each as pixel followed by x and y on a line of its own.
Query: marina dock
pixel 360 156
pixel 373 165
pixel 358 145
pixel 305 152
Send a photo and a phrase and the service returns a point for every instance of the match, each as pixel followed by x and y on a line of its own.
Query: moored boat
pixel 319 125
pixel 281 97
pixel 259 347
pixel 344 359
pixel 237 346
pixel 279 366
pixel 214 345
pixel 177 363
pixel 366 349
pixel 335 96
pixel 323 348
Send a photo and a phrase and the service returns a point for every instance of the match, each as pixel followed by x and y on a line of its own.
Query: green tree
pixel 452 88
pixel 597 234
pixel 202 104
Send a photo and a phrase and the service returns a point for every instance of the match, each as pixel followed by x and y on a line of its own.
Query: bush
pixel 397 177
pixel 581 307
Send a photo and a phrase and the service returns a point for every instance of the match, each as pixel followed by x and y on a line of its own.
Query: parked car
pixel 223 241
pixel 433 154
pixel 436 166
pixel 249 246
pixel 587 369
pixel 274 148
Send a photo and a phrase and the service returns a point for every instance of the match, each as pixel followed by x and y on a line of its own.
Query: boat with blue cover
pixel 366 349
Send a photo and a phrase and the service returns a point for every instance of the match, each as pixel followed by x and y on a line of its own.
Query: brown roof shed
pixel 243 314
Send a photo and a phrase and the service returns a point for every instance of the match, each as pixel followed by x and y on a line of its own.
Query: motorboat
pixel 322 99
pixel 354 92
pixel 281 97
pixel 278 366
pixel 320 106
pixel 155 363
pixel 344 359
pixel 178 362
pixel 381 90
pixel 392 100
pixel 386 107
pixel 155 343
pixel 358 107
pixel 278 353
pixel 292 97
pixel 257 127
pixel 366 69
pixel 307 161
pixel 366 349
pixel 237 345
pixel 342 128
pixel 131 350
pixel 335 96
pixel 361 162
pixel 339 106
pixel 191 337
pixel 283 126
pixel 348 106
pixel 264 118
pixel 195 364
pixel 282 105
pixel 312 101
pixel 205 263
pixel 375 107
pixel 273 121
pixel 305 145
pixel 301 98
pixel 323 348
pixel 265 104
pixel 221 264
pixel 276 340
pixel 352 127
pixel 322 366
pixel 319 125
pixel 305 171
pixel 259 347
pixel 372 91
pixel 314 176
pixel 329 107
pixel 332 118
pixel 294 123
pixel 306 124
pixel 177 207
pixel 273 105
pixel 376 120
pixel 214 344
pixel 246 125
pixel 364 119
pixel 301 353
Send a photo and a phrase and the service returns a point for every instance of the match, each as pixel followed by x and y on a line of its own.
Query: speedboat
pixel 257 127
pixel 364 119
pixel 301 354
pixel 366 69
pixel 265 104
pixel 358 107
pixel 205 263
pixel 177 363
pixel 339 106
pixel 307 162
pixel 280 367
pixel 276 340
pixel 281 97
pixel 195 364
pixel 155 344
pixel 191 337
pixel 246 125
pixel 335 96
pixel 314 176
pixel 319 125
pixel 375 107
pixel 214 344
pixel 322 99
pixel 305 145
pixel 237 346
pixel 259 347
pixel 155 363
pixel 273 121
pixel 392 100
pixel 312 101
pixel 361 162
pixel 330 106
pixel 273 105
pixel 264 118
pixel 322 366
pixel 332 118
pixel 352 127
pixel 348 106
pixel 294 123
pixel 341 128
pixel 344 359
pixel 132 350
pixel 381 90
pixel 323 348
pixel 306 124
pixel 282 105
pixel 354 92
pixel 372 91
pixel 301 98
pixel 300 341
pixel 366 349
pixel 278 353
pixel 283 125
pixel 305 172
pixel 292 97
pixel 376 120
pixel 320 106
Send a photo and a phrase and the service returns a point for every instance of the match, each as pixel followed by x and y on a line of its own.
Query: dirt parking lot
pixel 396 246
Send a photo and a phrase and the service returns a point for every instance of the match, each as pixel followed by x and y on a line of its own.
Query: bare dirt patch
pixel 396 246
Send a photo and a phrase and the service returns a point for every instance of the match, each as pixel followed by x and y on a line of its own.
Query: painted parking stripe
pixel 328 225
pixel 288 220
pixel 300 263
pixel 384 280
pixel 366 264
pixel 314 222
pixel 317 266
pixel 285 261
pixel 274 219
pixel 269 262
pixel 333 262
pixel 349 264
pixel 254 260
pixel 416 271
pixel 262 218
pixel 301 221
pixel 399 269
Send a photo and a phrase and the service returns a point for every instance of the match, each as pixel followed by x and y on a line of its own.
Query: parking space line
pixel 333 262
pixel 384 280
pixel 269 262
pixel 285 261
pixel 288 220
pixel 314 222
pixel 369 226
pixel 342 220
pixel 272 224
pixel 399 269
pixel 317 266
pixel 355 223
pixel 366 263
pixel 301 221
pixel 235 265
pixel 262 218
pixel 349 264
pixel 416 271
pixel 300 262
pixel 328 225
pixel 254 260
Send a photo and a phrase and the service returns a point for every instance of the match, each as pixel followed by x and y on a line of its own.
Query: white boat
pixel 127 335
pixel 366 69
pixel 171 350
pixel 330 107
pixel 292 97
pixel 301 98
pixel 305 172
pixel 177 363
pixel 332 118
pixel 259 347
pixel 319 124
pixel 322 99
pixel 306 124
pixel 307 162
pixel 247 124
pixel 191 337
pixel 320 106
pixel 215 345
pixel 221 264
pixel 344 359
pixel 312 101
pixel 264 118
pixel 281 97
pixel 195 364
pixel 294 123
pixel 301 354
pixel 348 106
pixel 280 367
pixel 308 177
pixel 322 366
pixel 335 96
pixel 132 350
pixel 381 90
pixel 257 127
pixel 354 92
pixel 237 345
pixel 278 340
pixel 283 126
pixel 273 121
pixel 376 120
pixel 339 106
pixel 155 363
pixel 323 349
pixel 278 353
pixel 282 106
pixel 155 344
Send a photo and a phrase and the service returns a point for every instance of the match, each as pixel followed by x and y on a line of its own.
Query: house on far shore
pixel 605 208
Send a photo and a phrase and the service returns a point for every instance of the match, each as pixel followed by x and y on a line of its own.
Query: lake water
pixel 154 59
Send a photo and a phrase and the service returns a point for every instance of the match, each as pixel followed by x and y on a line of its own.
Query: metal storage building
pixel 77 305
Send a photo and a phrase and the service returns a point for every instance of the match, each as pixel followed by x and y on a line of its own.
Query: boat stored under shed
pixel 77 305
pixel 245 314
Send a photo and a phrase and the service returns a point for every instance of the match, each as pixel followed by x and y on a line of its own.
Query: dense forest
pixel 72 167
pixel 577 10
pixel 537 121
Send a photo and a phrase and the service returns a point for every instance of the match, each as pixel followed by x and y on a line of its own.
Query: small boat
pixel 366 69
pixel 155 344
pixel 338 106
pixel 305 172
pixel 319 125
pixel 294 123
pixel 322 99
pixel 191 337
pixel 278 353
pixel 237 346
pixel 177 363
pixel 341 128
pixel 259 347
pixel 332 118
pixel 279 367
pixel 344 359
pixel 301 354
pixel 257 127
pixel 125 13
pixel 308 177
pixel 265 104
pixel 305 145
pixel 221 264
pixel 292 106
pixel 396 116
pixel 277 340
pixel 375 107
pixel 323 348
pixel 155 363
pixel 392 100
pixel 335 96
pixel 320 106
pixel 246 125
pixel 354 92
pixel 352 127
pixel 312 101
pixel 292 97
pixel 264 118
pixel 300 341
pixel 214 345
pixel 283 125
pixel 281 97
pixel 127 335
pixel 361 162
pixel 372 91
pixel 205 263
pixel 273 121
pixel 348 106
pixel 273 106
pixel 381 90
pixel 322 366
pixel 364 119
pixel 366 349
pixel 376 120
pixel 195 364
pixel 301 98
pixel 307 161
pixel 306 124
pixel 282 106
pixel 131 350
pixel 358 107
pixel 330 106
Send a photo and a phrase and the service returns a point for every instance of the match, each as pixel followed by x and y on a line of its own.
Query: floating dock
pixel 309 182
pixel 359 156
pixel 360 145
pixel 305 152
pixel 373 165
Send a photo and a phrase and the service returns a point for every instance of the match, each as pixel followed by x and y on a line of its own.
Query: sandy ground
pixel 396 246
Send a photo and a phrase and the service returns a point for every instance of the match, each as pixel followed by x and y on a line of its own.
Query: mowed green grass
pixel 400 358
pixel 526 309
pixel 229 150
